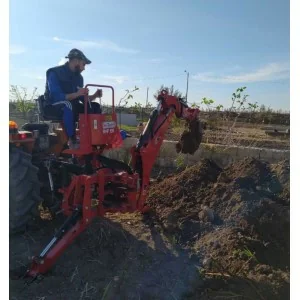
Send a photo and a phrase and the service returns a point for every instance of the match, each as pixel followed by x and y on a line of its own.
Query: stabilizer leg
pixel 72 227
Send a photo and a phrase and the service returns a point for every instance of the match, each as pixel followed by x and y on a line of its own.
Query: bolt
pixel 86 207
pixel 42 262
pixel 87 220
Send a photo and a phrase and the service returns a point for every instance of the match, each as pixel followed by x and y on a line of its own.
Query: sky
pixel 223 45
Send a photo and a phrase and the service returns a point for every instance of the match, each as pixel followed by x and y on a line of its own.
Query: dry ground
pixel 212 233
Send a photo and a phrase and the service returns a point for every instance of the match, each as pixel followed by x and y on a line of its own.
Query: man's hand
pixel 97 94
pixel 82 92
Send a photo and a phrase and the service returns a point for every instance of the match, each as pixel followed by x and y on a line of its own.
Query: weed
pixel 180 161
pixel 106 291
pixel 249 254
pixel 246 252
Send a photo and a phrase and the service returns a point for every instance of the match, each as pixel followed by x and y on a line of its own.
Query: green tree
pixel 24 101
pixel 149 105
pixel 209 102
pixel 262 108
pixel 136 109
pixel 128 95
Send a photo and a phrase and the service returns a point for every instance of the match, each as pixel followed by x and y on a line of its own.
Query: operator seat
pixel 48 112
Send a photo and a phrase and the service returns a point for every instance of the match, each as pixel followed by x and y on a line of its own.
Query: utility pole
pixel 147 96
pixel 187 85
pixel 146 101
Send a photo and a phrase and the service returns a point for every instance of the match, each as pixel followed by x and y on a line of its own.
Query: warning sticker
pixel 109 125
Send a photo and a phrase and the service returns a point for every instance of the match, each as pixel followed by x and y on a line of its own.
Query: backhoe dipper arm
pixel 147 149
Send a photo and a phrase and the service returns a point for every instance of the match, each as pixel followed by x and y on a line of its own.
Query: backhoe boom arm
pixel 147 149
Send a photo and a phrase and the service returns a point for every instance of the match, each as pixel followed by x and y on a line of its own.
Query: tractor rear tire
pixel 24 190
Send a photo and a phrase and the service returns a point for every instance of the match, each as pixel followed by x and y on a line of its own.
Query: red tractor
pixel 83 183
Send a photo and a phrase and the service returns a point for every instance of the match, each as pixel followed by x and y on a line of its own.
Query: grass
pixel 177 130
pixel 180 161
pixel 249 254
pixel 105 293
pixel 245 252
pixel 128 127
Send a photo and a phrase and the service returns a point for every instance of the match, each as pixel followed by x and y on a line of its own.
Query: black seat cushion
pixel 54 113
pixel 49 112
pixel 43 128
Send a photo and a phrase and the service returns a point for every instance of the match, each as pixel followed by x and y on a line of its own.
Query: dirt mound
pixel 282 172
pixel 179 197
pixel 234 264
pixel 184 183
pixel 191 138
pixel 236 220
pixel 249 168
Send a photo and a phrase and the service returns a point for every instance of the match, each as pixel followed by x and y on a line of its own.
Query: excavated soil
pixel 236 221
pixel 191 138
pixel 212 233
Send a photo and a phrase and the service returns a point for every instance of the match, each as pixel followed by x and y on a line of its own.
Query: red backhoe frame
pixel 130 188
pixel 86 132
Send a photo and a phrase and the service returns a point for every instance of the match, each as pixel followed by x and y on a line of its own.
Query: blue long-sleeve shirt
pixel 56 93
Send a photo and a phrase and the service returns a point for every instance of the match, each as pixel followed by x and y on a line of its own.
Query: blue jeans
pixel 70 111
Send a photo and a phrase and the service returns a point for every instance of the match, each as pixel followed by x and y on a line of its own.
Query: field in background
pixel 249 135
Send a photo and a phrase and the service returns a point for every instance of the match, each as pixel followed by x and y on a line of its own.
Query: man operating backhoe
pixel 64 93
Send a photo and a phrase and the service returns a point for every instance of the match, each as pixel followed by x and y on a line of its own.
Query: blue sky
pixel 223 44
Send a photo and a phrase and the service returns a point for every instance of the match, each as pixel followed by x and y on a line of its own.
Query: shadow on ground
pixel 122 257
